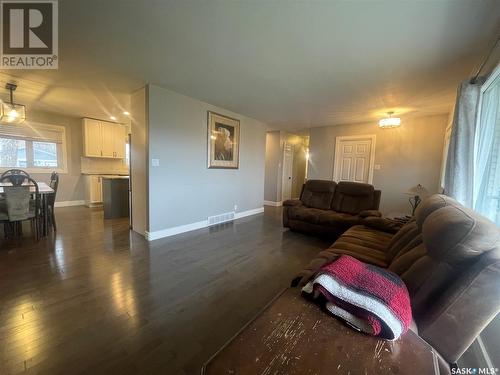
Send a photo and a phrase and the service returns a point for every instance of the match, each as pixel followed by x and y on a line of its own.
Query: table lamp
pixel 417 193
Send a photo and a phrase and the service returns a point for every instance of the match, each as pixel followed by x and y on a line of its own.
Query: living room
pixel 245 152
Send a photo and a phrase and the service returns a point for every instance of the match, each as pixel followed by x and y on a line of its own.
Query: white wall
pixel 182 190
pixel 408 155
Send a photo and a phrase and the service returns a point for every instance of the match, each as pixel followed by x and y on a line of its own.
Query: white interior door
pixel 286 191
pixel 354 159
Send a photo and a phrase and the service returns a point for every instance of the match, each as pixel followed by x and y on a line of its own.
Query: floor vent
pixel 222 218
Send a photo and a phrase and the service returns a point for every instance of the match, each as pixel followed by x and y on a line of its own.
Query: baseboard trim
pixel 272 203
pixel 156 235
pixel 243 214
pixel 69 203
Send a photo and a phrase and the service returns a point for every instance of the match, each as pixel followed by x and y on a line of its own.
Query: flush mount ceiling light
pixel 12 113
pixel 389 121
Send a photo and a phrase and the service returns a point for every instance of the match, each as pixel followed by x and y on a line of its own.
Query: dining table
pixel 44 191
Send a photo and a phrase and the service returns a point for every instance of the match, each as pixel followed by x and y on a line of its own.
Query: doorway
pixel 354 158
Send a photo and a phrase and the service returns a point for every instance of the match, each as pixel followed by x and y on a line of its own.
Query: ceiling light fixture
pixel 126 113
pixel 389 121
pixel 12 113
pixel 112 118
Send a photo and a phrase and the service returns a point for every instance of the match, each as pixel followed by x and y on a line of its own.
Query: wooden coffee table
pixel 294 336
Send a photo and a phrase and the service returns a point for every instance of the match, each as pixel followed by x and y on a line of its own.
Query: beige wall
pixel 71 187
pixel 408 155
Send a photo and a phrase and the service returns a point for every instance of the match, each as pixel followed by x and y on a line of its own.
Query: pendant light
pixel 12 113
pixel 389 121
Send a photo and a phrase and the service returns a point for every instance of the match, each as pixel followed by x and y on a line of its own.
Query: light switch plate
pixel 155 162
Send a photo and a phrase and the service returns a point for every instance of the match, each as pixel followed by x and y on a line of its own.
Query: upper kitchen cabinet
pixel 102 139
pixel 119 139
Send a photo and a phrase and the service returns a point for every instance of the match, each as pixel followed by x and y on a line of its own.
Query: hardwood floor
pixel 97 298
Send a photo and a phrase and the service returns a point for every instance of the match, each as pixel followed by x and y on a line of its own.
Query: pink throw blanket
pixel 372 299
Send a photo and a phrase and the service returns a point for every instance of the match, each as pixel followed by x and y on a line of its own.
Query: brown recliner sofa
pixel 449 259
pixel 328 209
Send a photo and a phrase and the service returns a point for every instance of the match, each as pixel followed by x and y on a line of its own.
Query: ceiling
pixel 291 64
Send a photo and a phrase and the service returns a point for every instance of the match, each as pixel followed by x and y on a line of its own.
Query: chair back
pixel 15 171
pixel 16 176
pixel 354 197
pixel 449 259
pixel 318 193
pixel 19 201
pixel 54 184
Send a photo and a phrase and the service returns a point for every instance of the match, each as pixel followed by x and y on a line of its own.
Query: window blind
pixel 33 132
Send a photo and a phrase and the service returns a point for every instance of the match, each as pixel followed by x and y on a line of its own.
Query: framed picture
pixel 223 141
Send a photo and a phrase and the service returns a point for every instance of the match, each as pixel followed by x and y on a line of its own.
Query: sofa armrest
pixel 292 202
pixel 382 224
pixel 370 213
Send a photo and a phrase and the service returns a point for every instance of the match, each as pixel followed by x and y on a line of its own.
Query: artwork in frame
pixel 223 141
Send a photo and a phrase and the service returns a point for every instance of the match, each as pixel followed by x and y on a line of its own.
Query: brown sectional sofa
pixel 448 257
pixel 326 208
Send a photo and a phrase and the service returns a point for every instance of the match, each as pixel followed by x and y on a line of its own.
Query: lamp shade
pixel 389 122
pixel 418 191
pixel 11 113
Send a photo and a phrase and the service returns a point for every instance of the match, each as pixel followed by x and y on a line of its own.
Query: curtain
pixel 487 164
pixel 459 172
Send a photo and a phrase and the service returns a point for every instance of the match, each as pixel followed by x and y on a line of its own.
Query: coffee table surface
pixel 294 336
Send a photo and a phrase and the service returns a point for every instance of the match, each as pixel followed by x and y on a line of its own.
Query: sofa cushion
pixel 454 234
pixel 353 197
pixel 292 202
pixel 365 239
pixel 405 239
pixel 454 238
pixel 303 213
pixel 329 217
pixel 431 204
pixel 318 194
pixel 363 243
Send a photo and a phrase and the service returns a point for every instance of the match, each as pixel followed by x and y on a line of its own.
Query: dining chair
pixel 15 171
pixel 16 176
pixel 4 217
pixel 51 199
pixel 22 205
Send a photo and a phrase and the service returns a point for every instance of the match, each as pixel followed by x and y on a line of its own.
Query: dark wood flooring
pixel 99 299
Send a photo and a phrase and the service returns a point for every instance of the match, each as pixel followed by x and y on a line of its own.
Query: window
pixel 37 148
pixel 487 155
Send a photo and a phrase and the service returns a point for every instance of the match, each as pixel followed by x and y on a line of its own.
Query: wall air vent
pixel 222 218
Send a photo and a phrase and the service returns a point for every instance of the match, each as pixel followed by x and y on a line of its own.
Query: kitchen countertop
pixel 113 177
pixel 107 175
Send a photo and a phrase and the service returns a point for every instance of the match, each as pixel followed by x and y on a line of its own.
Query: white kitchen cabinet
pixel 93 190
pixel 103 139
pixel 92 143
pixel 119 139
